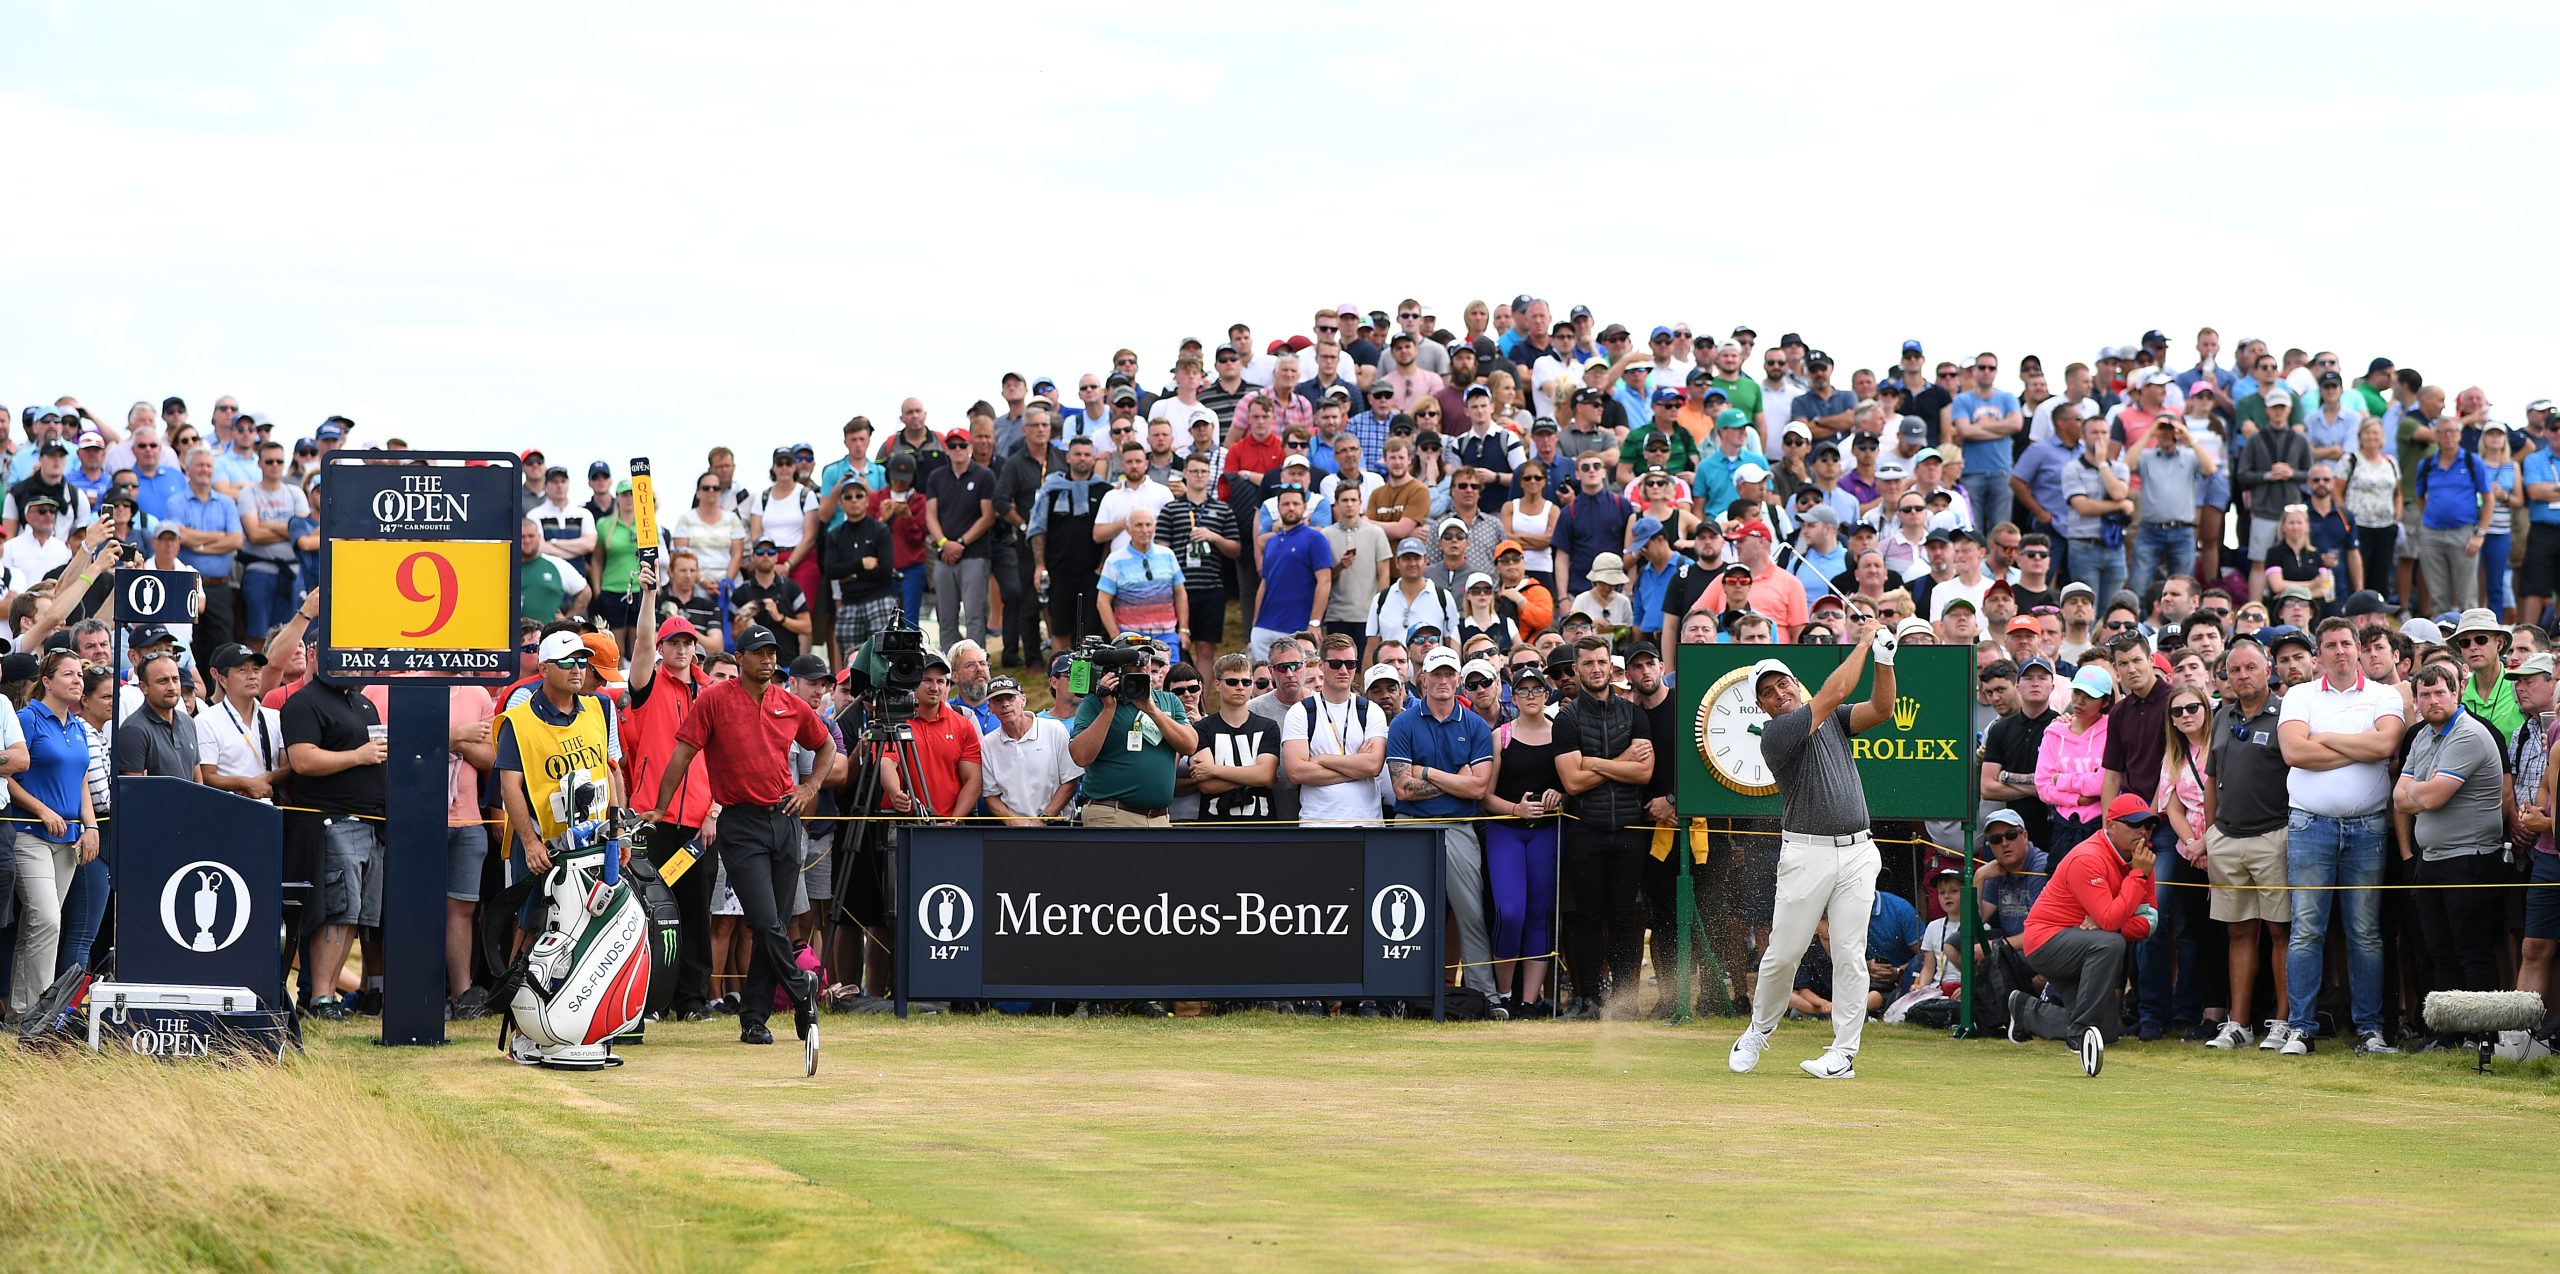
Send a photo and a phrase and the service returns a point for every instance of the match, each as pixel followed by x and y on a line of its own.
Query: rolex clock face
pixel 1729 725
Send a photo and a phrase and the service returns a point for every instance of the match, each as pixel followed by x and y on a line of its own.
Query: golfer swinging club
pixel 1827 859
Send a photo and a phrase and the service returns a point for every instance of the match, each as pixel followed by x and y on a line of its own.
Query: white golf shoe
pixel 1746 1051
pixel 1833 1064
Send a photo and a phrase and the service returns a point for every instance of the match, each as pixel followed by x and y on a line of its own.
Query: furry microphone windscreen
pixel 2481 1012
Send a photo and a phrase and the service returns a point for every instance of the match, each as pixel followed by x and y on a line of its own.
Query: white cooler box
pixel 159 1020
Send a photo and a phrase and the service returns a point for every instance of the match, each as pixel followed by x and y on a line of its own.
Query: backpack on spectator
pixel 1360 707
pixel 2477 472
pixel 2001 970
pixel 1448 604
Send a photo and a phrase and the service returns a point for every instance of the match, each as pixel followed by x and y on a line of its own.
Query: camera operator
pixel 1126 736
pixel 947 749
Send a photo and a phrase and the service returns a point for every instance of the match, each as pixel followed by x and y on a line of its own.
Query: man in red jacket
pixel 2098 900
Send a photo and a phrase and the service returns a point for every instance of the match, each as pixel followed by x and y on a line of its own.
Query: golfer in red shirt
pixel 744 729
pixel 2098 901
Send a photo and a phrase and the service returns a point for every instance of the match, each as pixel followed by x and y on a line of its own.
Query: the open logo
pixel 945 913
pixel 211 887
pixel 1396 912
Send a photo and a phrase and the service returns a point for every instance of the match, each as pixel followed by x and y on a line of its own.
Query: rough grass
pixel 124 1164
pixel 1289 1143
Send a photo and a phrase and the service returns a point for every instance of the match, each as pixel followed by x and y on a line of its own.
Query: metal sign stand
pixel 413 883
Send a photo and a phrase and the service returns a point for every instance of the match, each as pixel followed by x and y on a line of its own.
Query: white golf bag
pixel 586 978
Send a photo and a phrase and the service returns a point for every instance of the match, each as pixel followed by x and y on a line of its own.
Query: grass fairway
pixel 1276 1142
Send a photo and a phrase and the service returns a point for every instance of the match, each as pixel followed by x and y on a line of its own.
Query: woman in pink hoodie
pixel 2068 772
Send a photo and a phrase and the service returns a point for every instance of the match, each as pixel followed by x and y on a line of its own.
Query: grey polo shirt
pixel 1818 787
pixel 145 744
pixel 2249 772
pixel 2474 821
pixel 2168 484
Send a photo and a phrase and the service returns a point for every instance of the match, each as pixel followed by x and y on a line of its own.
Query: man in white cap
pixel 1608 598
pixel 1439 760
pixel 1827 859
pixel 1029 778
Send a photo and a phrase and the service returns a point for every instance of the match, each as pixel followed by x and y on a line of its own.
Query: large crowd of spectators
pixel 1387 570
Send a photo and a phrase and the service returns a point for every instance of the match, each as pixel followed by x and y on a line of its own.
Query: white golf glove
pixel 1883 649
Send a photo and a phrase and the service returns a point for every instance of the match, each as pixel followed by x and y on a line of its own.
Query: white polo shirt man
pixel 2328 707
pixel 1025 772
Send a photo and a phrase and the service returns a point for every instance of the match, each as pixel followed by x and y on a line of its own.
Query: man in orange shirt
pixel 1775 593
pixel 2097 902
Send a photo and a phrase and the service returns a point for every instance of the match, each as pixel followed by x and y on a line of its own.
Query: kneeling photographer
pixel 1126 736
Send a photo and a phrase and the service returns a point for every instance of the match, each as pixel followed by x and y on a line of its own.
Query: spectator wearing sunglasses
pixel 1594 522
pixel 2487 691
pixel 1333 743
pixel 2245 816
pixel 1238 760
pixel 770 598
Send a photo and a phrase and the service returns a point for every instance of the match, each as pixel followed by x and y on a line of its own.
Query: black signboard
pixel 199 887
pixel 1172 913
pixel 418 559
pixel 155 597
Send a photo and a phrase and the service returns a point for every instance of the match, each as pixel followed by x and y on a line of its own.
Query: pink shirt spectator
pixel 2068 773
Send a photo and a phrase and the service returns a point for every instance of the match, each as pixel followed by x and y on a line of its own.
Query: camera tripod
pixel 862 800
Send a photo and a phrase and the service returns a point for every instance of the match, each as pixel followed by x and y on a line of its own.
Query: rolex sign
pixel 1915 764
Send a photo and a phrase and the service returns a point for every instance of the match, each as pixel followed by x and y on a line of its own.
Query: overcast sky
pixel 642 228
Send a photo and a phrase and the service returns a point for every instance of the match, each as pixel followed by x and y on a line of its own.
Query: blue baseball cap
pixel 1060 666
pixel 1666 394
pixel 1646 529
pixel 1911 347
pixel 330 431
pixel 1660 331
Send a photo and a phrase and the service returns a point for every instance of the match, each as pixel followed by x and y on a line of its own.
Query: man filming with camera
pixel 1127 734
pixel 949 755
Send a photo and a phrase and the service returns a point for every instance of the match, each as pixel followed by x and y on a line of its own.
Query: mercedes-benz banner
pixel 1169 913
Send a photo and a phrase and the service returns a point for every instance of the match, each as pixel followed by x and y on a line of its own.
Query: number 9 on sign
pixel 390 595
pixel 439 594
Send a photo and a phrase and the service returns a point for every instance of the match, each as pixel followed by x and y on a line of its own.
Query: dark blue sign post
pixel 417 558
pixel 1169 914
